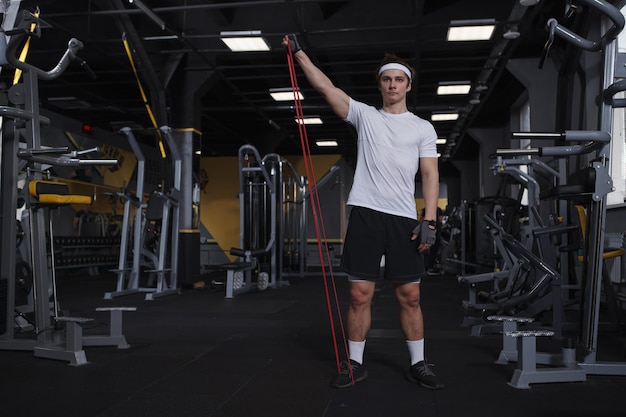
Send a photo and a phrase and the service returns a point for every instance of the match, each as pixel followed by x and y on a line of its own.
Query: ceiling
pixel 346 39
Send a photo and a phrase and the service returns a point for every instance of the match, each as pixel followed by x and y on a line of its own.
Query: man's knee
pixel 361 293
pixel 408 295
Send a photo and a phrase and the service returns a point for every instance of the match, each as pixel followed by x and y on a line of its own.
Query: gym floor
pixel 271 354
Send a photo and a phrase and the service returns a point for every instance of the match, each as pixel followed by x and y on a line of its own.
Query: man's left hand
pixel 426 231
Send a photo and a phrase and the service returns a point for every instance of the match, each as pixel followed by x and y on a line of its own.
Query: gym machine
pixel 165 265
pixel 293 219
pixel 591 185
pixel 270 223
pixel 548 242
pixel 23 118
pixel 593 188
pixel 162 260
pixel 128 271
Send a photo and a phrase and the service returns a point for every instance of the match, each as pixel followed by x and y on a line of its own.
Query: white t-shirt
pixel 388 152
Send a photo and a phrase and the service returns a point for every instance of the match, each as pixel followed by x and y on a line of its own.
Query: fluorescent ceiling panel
pixel 284 94
pixel 245 41
pixel 327 143
pixel 310 121
pixel 450 89
pixel 444 117
pixel 470 31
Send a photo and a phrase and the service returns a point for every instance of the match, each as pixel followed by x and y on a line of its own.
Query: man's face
pixel 393 85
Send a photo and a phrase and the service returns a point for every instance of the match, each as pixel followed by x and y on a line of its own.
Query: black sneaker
pixel 344 378
pixel 421 374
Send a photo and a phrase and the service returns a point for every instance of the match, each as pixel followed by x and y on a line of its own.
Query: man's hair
pixel 393 58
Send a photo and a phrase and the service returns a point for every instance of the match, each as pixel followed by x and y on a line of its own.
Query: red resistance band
pixel 320 231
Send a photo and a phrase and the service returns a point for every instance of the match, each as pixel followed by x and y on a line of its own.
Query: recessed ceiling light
pixel 313 120
pixel 441 141
pixel 284 94
pixel 453 88
pixel 444 117
pixel 470 30
pixel 245 41
pixel 327 143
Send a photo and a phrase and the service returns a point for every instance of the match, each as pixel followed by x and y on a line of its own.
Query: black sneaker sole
pixel 349 384
pixel 411 378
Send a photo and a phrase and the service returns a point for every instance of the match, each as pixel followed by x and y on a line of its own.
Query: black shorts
pixel 372 234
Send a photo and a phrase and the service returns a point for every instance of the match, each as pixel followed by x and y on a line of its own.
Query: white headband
pixel 395 66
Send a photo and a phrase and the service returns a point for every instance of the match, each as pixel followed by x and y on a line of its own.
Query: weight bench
pixel 115 336
pixel 564 369
pixel 238 277
pixel 53 193
pixel 239 274
pixel 509 346
pixel 72 350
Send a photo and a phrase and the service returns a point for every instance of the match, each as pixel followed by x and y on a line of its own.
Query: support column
pixel 188 88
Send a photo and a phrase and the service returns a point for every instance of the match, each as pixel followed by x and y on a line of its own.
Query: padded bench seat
pixel 55 193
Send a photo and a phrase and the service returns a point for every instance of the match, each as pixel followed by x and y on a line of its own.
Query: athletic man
pixel 392 144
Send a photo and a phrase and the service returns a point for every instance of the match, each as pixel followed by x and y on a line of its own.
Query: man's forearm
pixel 430 192
pixel 318 80
pixel 338 100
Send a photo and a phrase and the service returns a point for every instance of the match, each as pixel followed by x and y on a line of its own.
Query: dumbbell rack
pixel 86 252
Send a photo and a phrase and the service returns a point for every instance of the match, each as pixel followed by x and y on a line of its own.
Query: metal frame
pixel 569 368
pixel 165 262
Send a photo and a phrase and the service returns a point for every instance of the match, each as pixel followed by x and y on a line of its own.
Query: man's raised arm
pixel 336 98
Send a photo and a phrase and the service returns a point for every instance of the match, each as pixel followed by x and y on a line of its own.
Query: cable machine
pixel 272 222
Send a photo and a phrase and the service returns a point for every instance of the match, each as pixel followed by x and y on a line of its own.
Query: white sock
pixel 416 350
pixel 356 350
